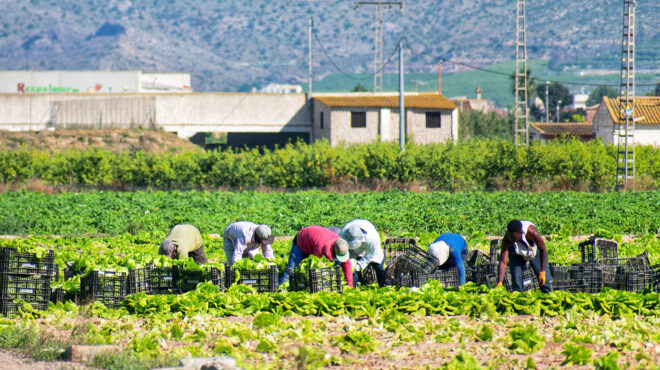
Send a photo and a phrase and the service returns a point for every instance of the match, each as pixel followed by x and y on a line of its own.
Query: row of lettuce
pixel 469 165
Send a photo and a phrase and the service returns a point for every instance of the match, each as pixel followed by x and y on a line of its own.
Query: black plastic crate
pixel 573 286
pixel 484 274
pixel 139 280
pixel 187 280
pixel 637 281
pixel 22 263
pixel 477 257
pixel 494 255
pixel 530 280
pixel 8 307
pixel 560 272
pixel 448 278
pixel 30 288
pixel 161 280
pixel 326 279
pixel 591 275
pixel 59 295
pixel 394 271
pixel 594 249
pixel 416 259
pixel 394 247
pixel 368 276
pixel 263 280
pixel 638 263
pixel 107 287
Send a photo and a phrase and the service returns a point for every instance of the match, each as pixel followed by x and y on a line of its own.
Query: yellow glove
pixel 542 277
pixel 498 285
pixel 354 265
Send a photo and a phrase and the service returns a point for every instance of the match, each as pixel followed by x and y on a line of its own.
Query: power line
pixel 443 59
pixel 332 62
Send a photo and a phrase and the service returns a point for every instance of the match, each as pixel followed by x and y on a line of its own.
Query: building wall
pixel 188 113
pixel 342 132
pixel 185 113
pixel 318 132
pixel 603 127
pixel 416 127
pixel 647 135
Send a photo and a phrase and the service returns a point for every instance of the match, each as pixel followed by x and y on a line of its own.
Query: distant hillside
pixel 235 44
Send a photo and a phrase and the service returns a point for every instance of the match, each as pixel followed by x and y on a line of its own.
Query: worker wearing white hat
pixel 364 248
pixel 450 250
pixel 243 239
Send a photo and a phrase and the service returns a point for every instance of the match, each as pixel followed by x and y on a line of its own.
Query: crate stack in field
pixel 25 276
pixel 325 279
pixel 262 280
pixel 415 266
pixel 172 280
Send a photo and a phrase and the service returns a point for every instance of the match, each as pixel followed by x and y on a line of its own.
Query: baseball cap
pixel 340 247
pixel 264 234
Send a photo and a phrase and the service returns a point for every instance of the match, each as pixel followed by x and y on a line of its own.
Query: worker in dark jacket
pixel 182 242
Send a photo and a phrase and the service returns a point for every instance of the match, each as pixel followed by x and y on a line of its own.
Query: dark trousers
pixel 380 273
pixel 198 255
pixel 517 265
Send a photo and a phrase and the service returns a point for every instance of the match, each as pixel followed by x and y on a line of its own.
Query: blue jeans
pixel 295 257
pixel 380 273
pixel 517 266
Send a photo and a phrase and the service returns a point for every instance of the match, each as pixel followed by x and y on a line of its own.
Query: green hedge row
pixel 470 165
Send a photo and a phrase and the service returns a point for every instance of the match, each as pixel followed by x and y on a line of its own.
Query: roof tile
pixel 424 101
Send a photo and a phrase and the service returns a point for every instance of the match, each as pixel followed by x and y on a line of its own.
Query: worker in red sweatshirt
pixel 320 242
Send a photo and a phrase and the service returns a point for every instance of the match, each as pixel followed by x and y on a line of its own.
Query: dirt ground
pixel 10 360
pixel 112 139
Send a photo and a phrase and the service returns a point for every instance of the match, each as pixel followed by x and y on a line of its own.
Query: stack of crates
pixel 186 280
pixel 25 276
pixel 327 279
pixel 530 280
pixel 448 278
pixel 415 267
pixel 161 280
pixel 139 280
pixel 262 280
pixel 394 247
pixel 633 274
pixel 656 278
pixel 107 287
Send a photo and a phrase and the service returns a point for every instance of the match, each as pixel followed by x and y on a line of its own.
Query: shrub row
pixel 470 165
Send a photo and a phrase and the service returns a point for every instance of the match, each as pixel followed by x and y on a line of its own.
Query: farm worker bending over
pixel 321 242
pixel 364 248
pixel 523 243
pixel 450 250
pixel 184 241
pixel 242 240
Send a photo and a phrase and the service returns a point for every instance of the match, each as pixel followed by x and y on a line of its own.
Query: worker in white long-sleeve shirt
pixel 364 248
pixel 243 239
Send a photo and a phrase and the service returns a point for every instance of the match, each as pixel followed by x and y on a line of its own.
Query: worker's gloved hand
pixel 498 285
pixel 354 265
pixel 542 277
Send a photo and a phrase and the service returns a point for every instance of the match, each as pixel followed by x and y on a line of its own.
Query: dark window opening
pixel 433 120
pixel 321 120
pixel 358 119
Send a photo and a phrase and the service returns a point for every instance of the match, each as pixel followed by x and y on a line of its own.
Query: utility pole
pixel 378 38
pixel 521 125
pixel 558 104
pixel 547 108
pixel 310 24
pixel 402 108
pixel 625 130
